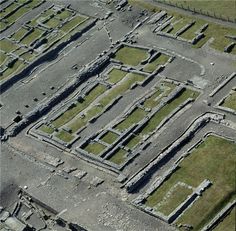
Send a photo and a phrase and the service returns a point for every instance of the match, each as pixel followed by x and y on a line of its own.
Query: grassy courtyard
pixel 46 129
pixel 178 194
pixel 35 34
pixel 133 118
pixel 64 136
pixel 229 222
pixel 163 90
pixel 115 75
pixel 74 22
pixel 179 24
pixel 18 14
pixel 133 142
pixel 167 109
pixel 131 55
pixel 220 8
pixel 7 45
pixel 94 148
pixel 110 137
pixel 214 159
pixel 138 114
pixel 160 60
pixel 106 98
pixel 79 106
pixel 19 34
pixel 118 157
pixel 214 30
pixel 15 69
pixel 230 101
pixel 51 18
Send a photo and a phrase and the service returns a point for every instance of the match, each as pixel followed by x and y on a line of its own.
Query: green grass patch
pixel 110 137
pixel 166 110
pixel 214 159
pixel 78 123
pixel 95 148
pixel 64 14
pixel 228 224
pixel 64 136
pixel 131 55
pixel 73 111
pixel 162 90
pixel 225 9
pixel 178 195
pixel 33 4
pixel 145 5
pixel 230 101
pixel 93 111
pixel 46 129
pixel 115 75
pixel 19 34
pixel 3 25
pixel 53 23
pixel 46 14
pixel 42 17
pixel 179 25
pixel 118 157
pixel 10 8
pixel 34 35
pixel 136 116
pixel 133 142
pixel 75 21
pixel 28 56
pixel 3 58
pixel 190 33
pixel 7 46
pixel 107 98
pixel 19 13
pixel 123 86
pixel 160 60
pixel 218 32
pixel 20 51
pixel 17 67
pixel 54 38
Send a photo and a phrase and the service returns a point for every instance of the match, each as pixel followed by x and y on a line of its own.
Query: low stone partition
pixel 41 109
pixel 222 214
pixel 223 108
pixel 153 75
pixel 182 30
pixel 166 23
pixel 78 98
pixel 189 201
pixel 17 8
pixel 223 84
pixel 227 109
pixel 135 128
pixel 6 84
pixel 229 47
pixel 98 162
pixel 202 28
pixel 197 38
pixel 157 17
pixel 163 157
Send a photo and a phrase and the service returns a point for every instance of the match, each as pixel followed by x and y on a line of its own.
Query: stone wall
pixel 6 84
pixel 43 108
pixel 169 151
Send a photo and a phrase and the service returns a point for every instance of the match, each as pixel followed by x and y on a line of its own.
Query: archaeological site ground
pixel 118 115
